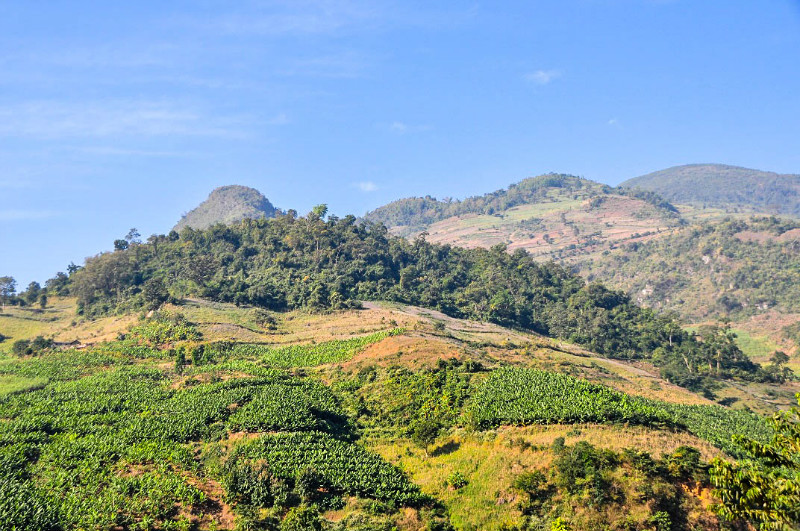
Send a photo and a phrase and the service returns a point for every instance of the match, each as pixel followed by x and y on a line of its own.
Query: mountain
pixel 310 373
pixel 733 267
pixel 550 216
pixel 728 187
pixel 228 204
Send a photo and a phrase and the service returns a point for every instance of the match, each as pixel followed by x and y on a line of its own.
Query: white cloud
pixel 366 186
pixel 543 77
pixel 401 128
pixel 297 17
pixel 20 215
pixel 52 119
pixel 278 119
pixel 614 122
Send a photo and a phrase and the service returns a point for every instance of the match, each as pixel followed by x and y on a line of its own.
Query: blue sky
pixel 126 114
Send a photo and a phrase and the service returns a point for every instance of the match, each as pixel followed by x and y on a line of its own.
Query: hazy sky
pixel 126 114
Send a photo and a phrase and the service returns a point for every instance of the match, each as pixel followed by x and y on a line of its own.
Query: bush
pixel 21 347
pixel 302 519
pixel 457 480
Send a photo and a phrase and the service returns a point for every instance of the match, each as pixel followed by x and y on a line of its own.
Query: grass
pixel 534 210
pixel 314 354
pixel 758 348
pixel 15 384
pixel 490 462
pixel 60 322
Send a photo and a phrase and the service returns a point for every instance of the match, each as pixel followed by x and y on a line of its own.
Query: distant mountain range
pixel 678 239
pixel 228 204
pixel 727 187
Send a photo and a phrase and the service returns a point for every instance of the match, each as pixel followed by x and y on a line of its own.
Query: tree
pixel 153 240
pixel 32 292
pixel 133 236
pixel 779 358
pixel 120 245
pixel 58 285
pixel 155 293
pixel 425 432
pixel 777 371
pixel 320 210
pixel 43 300
pixel 765 488
pixel 8 287
pixel 21 347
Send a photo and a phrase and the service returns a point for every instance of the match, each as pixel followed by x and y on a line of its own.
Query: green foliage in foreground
pixel 311 355
pixel 640 490
pixel 530 396
pixel 340 467
pixel 110 449
pixel 764 488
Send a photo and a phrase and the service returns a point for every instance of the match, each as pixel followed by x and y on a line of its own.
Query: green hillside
pixel 416 213
pixel 228 204
pixel 168 426
pixel 312 373
pixel 735 268
pixel 728 187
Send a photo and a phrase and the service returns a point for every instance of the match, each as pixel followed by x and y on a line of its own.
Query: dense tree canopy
pixel 306 262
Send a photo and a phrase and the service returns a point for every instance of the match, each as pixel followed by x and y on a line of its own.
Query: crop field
pixel 312 355
pixel 126 434
pixel 529 396
pixel 14 384
pixel 567 225
pixel 114 448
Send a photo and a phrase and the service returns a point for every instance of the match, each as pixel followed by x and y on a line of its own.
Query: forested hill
pixel 729 187
pixel 415 214
pixel 733 267
pixel 228 204
pixel 308 262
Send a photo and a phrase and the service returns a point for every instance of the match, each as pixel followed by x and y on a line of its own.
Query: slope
pixel 550 216
pixel 729 187
pixel 735 268
pixel 227 204
pixel 211 433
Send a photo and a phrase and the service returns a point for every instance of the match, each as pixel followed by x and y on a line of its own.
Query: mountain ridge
pixel 719 185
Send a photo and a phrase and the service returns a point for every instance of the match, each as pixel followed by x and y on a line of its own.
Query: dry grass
pixel 220 321
pixel 59 322
pixel 490 462
pixel 563 223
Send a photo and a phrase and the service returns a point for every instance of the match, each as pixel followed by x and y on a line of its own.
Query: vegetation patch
pixel 312 355
pixel 530 396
